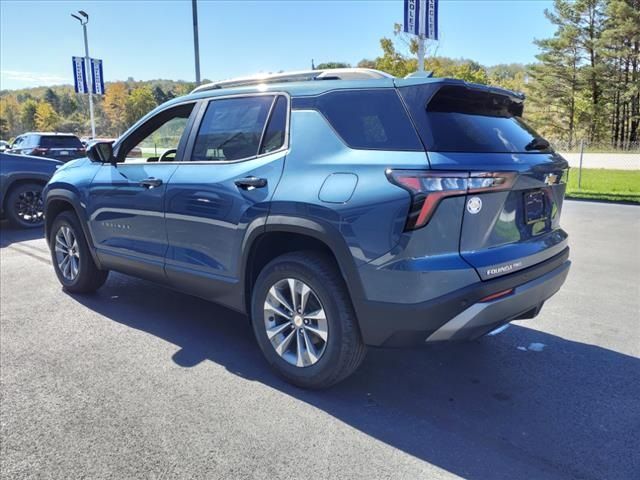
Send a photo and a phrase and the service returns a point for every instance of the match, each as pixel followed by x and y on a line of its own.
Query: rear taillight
pixel 38 151
pixel 490 181
pixel 427 188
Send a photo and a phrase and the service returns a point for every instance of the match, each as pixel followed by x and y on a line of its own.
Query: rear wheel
pixel 304 321
pixel 24 208
pixel 72 260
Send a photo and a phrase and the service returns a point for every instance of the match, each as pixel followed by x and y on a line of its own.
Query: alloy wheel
pixel 67 253
pixel 29 207
pixel 295 322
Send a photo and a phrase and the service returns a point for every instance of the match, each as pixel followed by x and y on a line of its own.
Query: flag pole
pixel 421 53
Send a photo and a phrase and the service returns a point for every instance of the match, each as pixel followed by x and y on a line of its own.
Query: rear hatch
pixel 516 182
pixel 61 147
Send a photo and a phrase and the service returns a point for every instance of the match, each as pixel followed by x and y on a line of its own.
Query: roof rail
pixel 298 76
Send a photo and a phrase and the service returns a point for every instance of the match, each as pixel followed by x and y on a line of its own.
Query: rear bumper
pixel 460 315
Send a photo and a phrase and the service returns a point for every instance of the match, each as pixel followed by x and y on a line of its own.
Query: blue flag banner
pixel 98 79
pixel 79 75
pixel 421 18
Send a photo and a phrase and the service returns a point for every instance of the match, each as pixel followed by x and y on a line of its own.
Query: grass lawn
pixel 603 184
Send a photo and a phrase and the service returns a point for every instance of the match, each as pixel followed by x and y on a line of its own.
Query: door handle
pixel 251 182
pixel 150 182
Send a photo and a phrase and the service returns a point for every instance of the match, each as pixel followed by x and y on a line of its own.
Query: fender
pixel 72 198
pixel 14 177
pixel 322 231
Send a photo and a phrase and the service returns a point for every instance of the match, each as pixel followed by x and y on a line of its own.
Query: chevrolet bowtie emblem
pixel 551 179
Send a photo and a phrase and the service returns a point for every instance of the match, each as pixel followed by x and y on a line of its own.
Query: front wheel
pixel 304 322
pixel 72 260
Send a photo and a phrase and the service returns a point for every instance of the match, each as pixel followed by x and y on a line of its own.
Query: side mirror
pixel 101 152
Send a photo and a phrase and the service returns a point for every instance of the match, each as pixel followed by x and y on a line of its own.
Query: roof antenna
pixel 313 67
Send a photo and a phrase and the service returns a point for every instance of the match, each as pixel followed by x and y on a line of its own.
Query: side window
pixel 231 128
pixel 370 119
pixel 17 142
pixel 276 128
pixel 158 138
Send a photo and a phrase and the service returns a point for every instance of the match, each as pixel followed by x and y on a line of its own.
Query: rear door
pixel 221 191
pixel 516 182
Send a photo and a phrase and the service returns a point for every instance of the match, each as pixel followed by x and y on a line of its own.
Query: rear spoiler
pixel 425 90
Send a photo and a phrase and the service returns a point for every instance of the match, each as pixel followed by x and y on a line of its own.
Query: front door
pixel 126 199
pixel 221 190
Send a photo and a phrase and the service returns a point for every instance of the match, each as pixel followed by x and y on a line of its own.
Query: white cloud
pixel 30 78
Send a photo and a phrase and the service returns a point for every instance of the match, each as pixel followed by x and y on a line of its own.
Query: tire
pixel 342 352
pixel 88 277
pixel 24 207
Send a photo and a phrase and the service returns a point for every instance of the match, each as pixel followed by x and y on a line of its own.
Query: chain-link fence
pixel 587 146
pixel 585 154
pixel 601 170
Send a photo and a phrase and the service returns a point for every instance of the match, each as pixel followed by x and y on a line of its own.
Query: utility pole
pixel 196 47
pixel 87 65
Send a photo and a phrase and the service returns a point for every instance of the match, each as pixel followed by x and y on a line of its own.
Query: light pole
pixel 196 47
pixel 87 65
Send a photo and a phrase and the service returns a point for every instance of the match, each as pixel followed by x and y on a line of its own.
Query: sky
pixel 154 38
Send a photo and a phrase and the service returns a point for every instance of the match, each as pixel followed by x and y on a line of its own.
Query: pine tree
pixel 557 77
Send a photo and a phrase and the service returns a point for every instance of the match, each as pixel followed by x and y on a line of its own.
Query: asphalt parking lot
pixel 138 381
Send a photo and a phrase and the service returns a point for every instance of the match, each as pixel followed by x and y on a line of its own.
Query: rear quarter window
pixel 366 119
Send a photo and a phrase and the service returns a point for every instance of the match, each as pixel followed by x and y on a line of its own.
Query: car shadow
pixel 10 234
pixel 522 404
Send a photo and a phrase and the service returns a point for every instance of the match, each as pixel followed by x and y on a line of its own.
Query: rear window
pixel 457 119
pixel 56 141
pixel 366 119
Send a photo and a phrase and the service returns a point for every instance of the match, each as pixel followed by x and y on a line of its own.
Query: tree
pixel 513 76
pixel 46 117
pixel 621 55
pixel 68 105
pixel 366 63
pixel 591 25
pixel 28 115
pixel 4 128
pixel 139 103
pixel 10 114
pixel 587 83
pixel 324 66
pixel 183 89
pixel 115 107
pixel 557 76
pixel 75 123
pixel 52 99
pixel 158 95
pixel 467 70
pixel 394 62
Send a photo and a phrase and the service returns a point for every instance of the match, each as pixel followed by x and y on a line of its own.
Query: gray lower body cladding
pixel 524 302
pixel 401 324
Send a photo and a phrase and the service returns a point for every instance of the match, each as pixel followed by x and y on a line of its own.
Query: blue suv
pixel 335 210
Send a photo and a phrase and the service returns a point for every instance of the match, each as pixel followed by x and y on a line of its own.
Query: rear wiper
pixel 538 143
